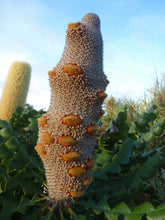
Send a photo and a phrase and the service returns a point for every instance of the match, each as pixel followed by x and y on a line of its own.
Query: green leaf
pixel 144 208
pixel 156 160
pixel 3 123
pixel 80 217
pixel 122 116
pixel 156 215
pixel 102 205
pixel 102 157
pixel 111 215
pixel 5 152
pixel 100 174
pixel 147 171
pixel 6 132
pixel 90 204
pixel 157 130
pixel 161 122
pixel 149 137
pixel 134 182
pixel 133 128
pixel 112 167
pixel 118 188
pixel 122 208
pixel 133 216
pixel 8 207
pixel 24 202
pixel 122 157
pixel 152 108
pixel 13 143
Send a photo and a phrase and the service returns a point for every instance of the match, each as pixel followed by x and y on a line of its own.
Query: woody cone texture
pixel 67 132
pixel 15 89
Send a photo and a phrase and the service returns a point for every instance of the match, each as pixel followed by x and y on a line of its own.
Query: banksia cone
pixel 68 129
pixel 15 89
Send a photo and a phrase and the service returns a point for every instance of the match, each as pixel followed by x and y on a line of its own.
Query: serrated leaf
pixel 144 208
pixel 5 152
pixel 157 130
pixel 134 182
pixel 102 157
pixel 161 122
pixel 112 168
pixel 133 128
pixel 122 208
pixel 90 204
pixel 156 160
pixel 24 202
pixel 100 174
pixel 133 216
pixel 149 137
pixel 6 132
pixel 151 109
pixel 156 215
pixel 118 188
pixel 147 171
pixel 13 143
pixel 8 207
pixel 111 215
pixel 102 205
pixel 3 123
pixel 122 157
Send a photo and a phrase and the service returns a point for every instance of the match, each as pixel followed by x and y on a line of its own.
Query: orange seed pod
pixel 87 181
pixel 102 112
pixel 67 141
pixel 77 193
pixel 72 69
pixel 92 129
pixel 47 138
pixel 51 73
pixel 90 164
pixel 73 25
pixel 71 156
pixel 40 150
pixel 72 120
pixel 101 95
pixel 77 171
pixel 42 121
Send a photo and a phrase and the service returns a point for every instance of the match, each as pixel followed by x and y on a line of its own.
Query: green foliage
pixel 21 171
pixel 128 160
pixel 128 178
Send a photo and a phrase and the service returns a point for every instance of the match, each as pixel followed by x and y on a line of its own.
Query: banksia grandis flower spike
pixel 67 132
pixel 15 89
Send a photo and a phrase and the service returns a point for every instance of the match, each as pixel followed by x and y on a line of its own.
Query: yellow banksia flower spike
pixel 15 90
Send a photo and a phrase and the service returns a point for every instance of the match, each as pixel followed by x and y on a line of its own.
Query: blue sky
pixel 133 32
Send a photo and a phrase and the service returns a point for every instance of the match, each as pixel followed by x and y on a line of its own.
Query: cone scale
pixel 68 130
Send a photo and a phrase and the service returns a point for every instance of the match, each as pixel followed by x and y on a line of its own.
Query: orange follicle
pixel 77 193
pixel 72 69
pixel 77 171
pixel 47 138
pixel 73 25
pixel 87 181
pixel 101 95
pixel 71 156
pixel 102 112
pixel 92 129
pixel 40 149
pixel 67 141
pixel 91 163
pixel 42 121
pixel 51 73
pixel 72 120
